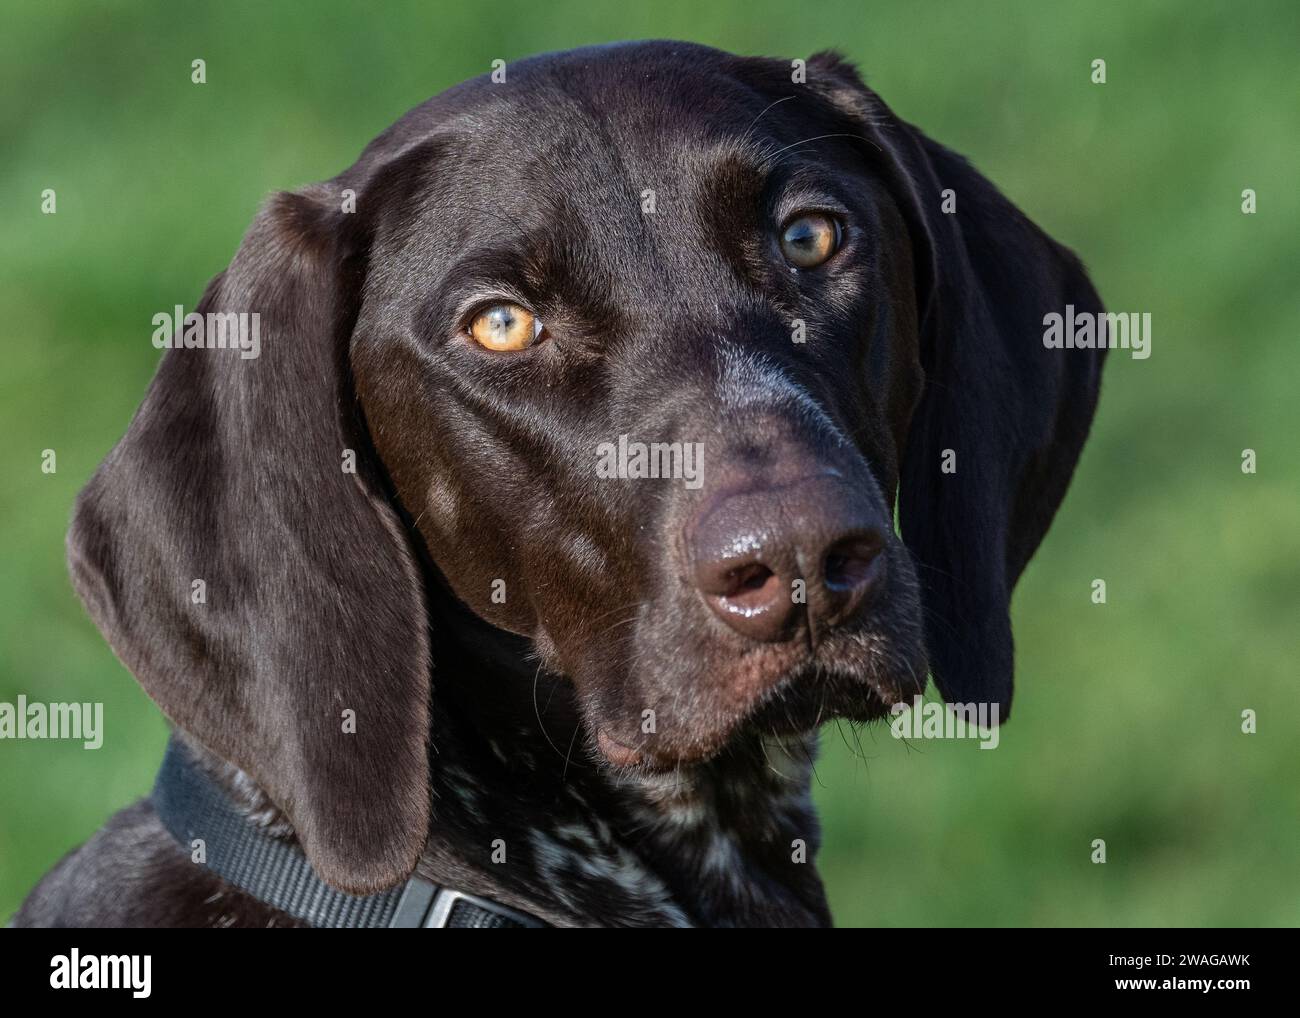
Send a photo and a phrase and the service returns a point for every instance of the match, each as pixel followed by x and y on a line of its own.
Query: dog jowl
pixel 641 247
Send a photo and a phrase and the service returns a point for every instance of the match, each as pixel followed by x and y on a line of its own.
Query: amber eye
pixel 809 239
pixel 505 327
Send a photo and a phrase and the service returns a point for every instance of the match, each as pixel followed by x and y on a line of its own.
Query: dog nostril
pixel 750 587
pixel 852 564
pixel 751 577
pixel 751 597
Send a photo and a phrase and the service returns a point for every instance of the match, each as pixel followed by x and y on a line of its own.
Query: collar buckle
pixel 450 907
pixel 426 906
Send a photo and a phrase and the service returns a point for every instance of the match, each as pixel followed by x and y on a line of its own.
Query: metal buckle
pixel 425 905
pixel 445 901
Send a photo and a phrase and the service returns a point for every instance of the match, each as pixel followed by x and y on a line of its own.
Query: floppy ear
pixel 1013 413
pixel 235 472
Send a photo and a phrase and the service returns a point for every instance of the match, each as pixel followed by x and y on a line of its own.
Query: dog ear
pixel 238 552
pixel 1002 418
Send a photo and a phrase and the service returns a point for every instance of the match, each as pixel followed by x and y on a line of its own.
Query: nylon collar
pixel 276 872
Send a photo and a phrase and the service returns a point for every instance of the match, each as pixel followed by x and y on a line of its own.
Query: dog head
pixel 640 349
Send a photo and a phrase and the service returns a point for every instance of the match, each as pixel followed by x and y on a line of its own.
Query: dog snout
pixel 773 559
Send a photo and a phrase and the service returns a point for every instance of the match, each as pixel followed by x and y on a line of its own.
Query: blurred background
pixel 1128 714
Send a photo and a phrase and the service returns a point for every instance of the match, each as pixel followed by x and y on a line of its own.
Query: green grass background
pixel 1128 714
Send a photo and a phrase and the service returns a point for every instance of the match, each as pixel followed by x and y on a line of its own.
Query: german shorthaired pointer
pixel 412 584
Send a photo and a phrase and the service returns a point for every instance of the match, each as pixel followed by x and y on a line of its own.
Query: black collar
pixel 275 871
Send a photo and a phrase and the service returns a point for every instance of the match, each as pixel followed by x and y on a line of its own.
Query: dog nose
pixel 765 559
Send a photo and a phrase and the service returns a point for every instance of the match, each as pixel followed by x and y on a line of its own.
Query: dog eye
pixel 809 239
pixel 505 327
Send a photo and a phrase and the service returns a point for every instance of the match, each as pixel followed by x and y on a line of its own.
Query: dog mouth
pixel 795 704
pixel 617 753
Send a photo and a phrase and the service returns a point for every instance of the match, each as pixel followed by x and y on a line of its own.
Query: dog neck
pixel 725 843
pixel 524 812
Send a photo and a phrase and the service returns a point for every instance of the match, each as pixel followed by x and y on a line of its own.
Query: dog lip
pixel 615 752
pixel 857 694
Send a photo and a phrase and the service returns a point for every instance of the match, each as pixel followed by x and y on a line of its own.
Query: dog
pixel 417 586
